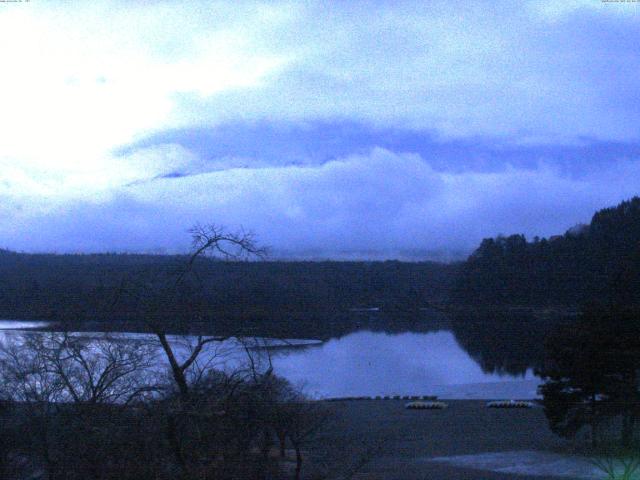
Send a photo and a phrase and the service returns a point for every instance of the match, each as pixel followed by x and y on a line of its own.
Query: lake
pixel 366 363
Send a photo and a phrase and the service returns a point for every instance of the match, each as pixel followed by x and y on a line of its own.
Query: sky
pixel 369 130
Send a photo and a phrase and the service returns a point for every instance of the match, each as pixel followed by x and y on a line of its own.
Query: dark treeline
pixel 287 298
pixel 596 261
pixel 569 306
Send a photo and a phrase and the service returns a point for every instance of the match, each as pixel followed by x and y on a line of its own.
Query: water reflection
pixel 503 342
pixel 22 324
pixel 482 356
pixel 367 363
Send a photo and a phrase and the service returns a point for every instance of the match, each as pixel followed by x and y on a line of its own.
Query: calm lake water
pixel 20 324
pixel 370 363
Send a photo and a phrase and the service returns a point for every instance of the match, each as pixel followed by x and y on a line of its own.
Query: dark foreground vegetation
pixel 590 359
pixel 579 297
pixel 592 373
pixel 75 408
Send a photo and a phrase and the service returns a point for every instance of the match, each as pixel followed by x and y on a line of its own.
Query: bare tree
pixel 179 292
pixel 72 388
pixel 28 381
pixel 210 240
pixel 100 401
pixel 109 369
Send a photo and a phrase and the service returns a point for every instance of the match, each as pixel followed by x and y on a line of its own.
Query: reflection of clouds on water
pixel 20 324
pixel 366 363
pixel 229 354
pixel 362 363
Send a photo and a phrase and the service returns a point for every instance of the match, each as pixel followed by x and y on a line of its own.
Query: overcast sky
pixel 338 130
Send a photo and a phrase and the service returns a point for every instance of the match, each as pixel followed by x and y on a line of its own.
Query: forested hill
pixel 295 297
pixel 596 262
pixel 599 261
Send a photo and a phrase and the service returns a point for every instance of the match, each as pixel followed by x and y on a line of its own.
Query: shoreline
pixel 409 440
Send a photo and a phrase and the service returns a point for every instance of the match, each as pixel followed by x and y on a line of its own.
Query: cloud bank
pixel 362 130
pixel 382 205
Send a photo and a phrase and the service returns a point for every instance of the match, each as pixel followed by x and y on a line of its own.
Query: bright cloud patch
pixel 79 80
